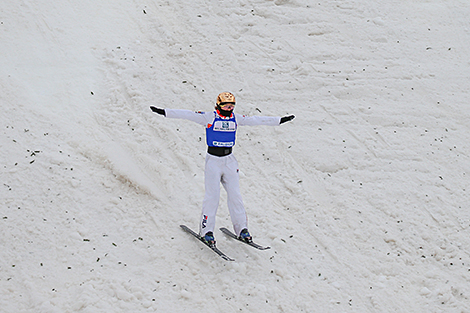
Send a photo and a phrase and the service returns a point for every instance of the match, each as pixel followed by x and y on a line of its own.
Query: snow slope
pixel 363 197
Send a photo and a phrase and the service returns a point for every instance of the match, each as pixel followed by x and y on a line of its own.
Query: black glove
pixel 158 110
pixel 287 118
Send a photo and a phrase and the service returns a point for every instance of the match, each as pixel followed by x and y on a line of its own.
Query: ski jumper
pixel 221 165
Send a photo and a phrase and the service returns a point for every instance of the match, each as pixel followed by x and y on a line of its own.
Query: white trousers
pixel 222 170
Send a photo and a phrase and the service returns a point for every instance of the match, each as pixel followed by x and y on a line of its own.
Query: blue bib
pixel 222 132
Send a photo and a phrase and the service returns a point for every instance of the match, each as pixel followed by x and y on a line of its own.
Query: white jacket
pixel 207 118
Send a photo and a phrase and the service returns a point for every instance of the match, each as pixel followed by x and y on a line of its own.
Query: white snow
pixel 364 197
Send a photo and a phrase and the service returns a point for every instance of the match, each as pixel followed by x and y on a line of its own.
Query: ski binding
pixel 232 235
pixel 212 247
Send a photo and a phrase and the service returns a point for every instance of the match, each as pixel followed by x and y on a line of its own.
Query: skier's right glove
pixel 158 110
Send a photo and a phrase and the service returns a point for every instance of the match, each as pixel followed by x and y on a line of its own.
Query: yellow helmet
pixel 225 97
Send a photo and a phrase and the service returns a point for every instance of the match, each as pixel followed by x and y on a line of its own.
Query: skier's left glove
pixel 286 119
pixel 158 110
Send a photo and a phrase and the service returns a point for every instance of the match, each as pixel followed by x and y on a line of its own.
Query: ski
pixel 213 247
pixel 232 235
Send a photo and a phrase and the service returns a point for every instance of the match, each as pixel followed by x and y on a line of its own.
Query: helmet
pixel 225 97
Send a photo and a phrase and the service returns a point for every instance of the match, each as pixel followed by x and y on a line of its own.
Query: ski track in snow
pixel 363 197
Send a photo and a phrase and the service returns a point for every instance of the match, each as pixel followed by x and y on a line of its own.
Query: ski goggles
pixel 227 105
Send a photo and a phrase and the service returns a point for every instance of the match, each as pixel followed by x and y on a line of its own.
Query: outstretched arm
pixel 243 120
pixel 201 118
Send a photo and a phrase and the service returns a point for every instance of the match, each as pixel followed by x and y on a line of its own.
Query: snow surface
pixel 364 197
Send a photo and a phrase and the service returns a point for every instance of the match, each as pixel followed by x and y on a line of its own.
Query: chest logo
pixel 225 126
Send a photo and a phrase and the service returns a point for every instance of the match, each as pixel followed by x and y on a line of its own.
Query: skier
pixel 221 165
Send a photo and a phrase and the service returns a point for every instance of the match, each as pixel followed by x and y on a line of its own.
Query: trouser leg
pixel 212 177
pixel 230 181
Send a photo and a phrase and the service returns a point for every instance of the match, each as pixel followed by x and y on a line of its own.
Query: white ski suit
pixel 221 132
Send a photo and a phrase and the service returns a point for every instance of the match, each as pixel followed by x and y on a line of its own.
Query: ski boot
pixel 209 239
pixel 245 236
